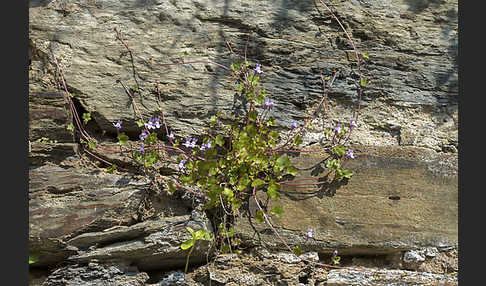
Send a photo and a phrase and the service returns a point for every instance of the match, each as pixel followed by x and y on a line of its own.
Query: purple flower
pixel 335 253
pixel 190 142
pixel 143 135
pixel 338 128
pixel 141 149
pixel 352 123
pixel 258 68
pixel 181 165
pixel 308 234
pixel 205 146
pixel 171 136
pixel 294 124
pixel 153 123
pixel 350 154
pixel 117 125
pixel 156 122
pixel 268 103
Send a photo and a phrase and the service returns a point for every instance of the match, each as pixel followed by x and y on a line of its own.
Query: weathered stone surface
pixel 402 198
pixel 370 277
pixel 49 116
pixel 260 267
pixel 398 199
pixel 148 245
pixel 80 205
pixel 94 274
pixel 412 99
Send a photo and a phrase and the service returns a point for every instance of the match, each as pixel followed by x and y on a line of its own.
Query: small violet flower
pixel 308 234
pixel 350 154
pixel 181 165
pixel 205 146
pixel 153 123
pixel 190 142
pixel 143 135
pixel 352 123
pixel 268 103
pixel 335 253
pixel 258 68
pixel 171 136
pixel 117 125
pixel 141 149
pixel 294 124
pixel 338 128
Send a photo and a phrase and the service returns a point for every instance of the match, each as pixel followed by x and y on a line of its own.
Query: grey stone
pixel 412 66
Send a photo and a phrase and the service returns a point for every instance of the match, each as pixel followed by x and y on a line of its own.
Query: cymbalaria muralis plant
pixel 231 164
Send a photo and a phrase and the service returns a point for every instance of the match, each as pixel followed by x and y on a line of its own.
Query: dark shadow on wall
pixel 418 6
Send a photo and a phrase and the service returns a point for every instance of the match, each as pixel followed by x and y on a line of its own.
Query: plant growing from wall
pixel 232 163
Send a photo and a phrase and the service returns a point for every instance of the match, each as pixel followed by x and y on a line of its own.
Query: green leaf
pixel 171 187
pixel 366 55
pixel 86 117
pixel 364 82
pixel 258 182
pixel 297 250
pixel 190 230
pixel 111 169
pixel 187 244
pixel 259 216
pixel 252 115
pixel 339 150
pixel 327 78
pixel 123 138
pixel 185 54
pixel 219 140
pixel 298 140
pixel 343 173
pixel 277 210
pixel 70 127
pixel 71 94
pixel 140 123
pixel 333 164
pixel 33 258
pixel 273 134
pixel 282 162
pixel 151 139
pixel 291 170
pixel 91 145
pixel 228 192
pixel 272 190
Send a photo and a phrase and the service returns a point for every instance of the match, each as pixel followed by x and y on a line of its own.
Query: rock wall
pixel 89 226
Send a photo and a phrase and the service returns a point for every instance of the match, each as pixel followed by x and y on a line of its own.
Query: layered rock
pixel 117 229
pixel 412 69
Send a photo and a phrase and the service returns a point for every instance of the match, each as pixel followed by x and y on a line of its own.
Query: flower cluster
pixel 190 142
pixel 205 146
pixel 153 123
pixel 258 68
pixel 268 103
